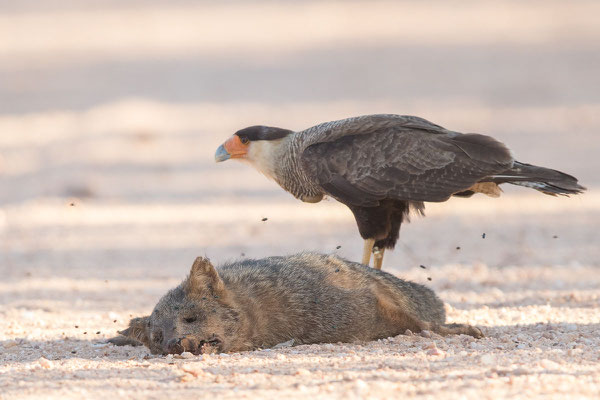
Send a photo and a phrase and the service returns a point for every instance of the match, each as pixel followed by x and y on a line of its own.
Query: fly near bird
pixel 384 166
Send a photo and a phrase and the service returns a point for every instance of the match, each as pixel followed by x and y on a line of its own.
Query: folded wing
pixel 398 157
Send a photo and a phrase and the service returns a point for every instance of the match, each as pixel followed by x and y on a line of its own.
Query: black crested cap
pixel 260 132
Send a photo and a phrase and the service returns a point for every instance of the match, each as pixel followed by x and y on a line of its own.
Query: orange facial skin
pixel 235 147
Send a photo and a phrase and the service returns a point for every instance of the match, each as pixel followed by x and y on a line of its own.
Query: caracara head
pixel 258 145
pixel 244 141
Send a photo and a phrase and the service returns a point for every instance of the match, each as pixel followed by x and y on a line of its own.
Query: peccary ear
pixel 138 330
pixel 204 279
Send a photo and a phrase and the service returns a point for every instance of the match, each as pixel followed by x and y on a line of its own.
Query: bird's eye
pixel 189 320
pixel 244 139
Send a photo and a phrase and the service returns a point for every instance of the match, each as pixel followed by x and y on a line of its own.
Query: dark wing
pixel 405 163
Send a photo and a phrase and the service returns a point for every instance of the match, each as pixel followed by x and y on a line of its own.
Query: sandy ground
pixel 109 190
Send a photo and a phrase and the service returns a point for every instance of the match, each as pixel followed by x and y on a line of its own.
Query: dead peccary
pixel 307 297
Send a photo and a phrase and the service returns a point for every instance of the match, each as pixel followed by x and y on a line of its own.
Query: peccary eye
pixel 189 320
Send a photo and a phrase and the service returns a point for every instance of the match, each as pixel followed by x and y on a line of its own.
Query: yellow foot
pixel 367 249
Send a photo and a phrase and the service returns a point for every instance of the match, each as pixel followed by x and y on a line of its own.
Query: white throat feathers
pixel 264 155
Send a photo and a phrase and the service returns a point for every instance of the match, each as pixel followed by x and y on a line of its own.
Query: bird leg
pixel 367 250
pixel 378 257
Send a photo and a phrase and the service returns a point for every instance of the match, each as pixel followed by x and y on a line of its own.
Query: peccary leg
pixel 396 316
pixel 400 319
pixel 457 329
pixel 451 329
pixel 124 341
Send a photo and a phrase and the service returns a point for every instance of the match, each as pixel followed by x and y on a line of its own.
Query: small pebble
pixel 434 351
pixel 302 371
pixel 488 359
pixel 549 364
pixel 429 346
pixel 522 338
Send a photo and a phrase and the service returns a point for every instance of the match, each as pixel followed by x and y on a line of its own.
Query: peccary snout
pixel 179 345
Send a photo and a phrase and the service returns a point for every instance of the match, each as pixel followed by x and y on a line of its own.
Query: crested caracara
pixel 384 166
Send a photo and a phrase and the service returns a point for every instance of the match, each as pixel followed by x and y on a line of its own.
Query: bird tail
pixel 545 180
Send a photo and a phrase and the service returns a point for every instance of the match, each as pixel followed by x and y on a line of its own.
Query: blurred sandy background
pixel 110 113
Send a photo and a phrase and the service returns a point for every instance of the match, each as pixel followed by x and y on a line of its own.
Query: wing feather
pixel 413 160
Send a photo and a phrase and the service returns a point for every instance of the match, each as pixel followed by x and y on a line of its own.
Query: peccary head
pixel 198 316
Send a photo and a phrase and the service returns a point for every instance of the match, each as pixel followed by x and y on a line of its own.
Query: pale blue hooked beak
pixel 222 154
